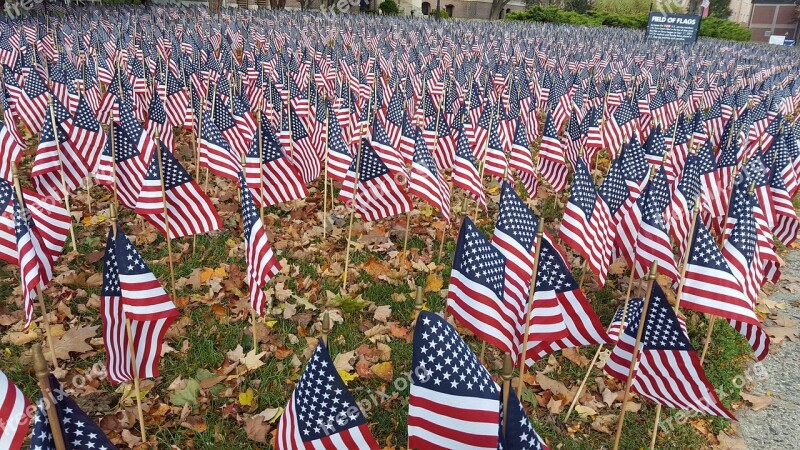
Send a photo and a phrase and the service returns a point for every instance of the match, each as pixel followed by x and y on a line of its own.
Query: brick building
pixel 767 18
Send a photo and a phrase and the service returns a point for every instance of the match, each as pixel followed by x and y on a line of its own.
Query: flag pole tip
pixel 39 362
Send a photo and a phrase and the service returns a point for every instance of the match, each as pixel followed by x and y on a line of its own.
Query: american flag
pixel 652 242
pixel 684 198
pixel 262 264
pixel 394 118
pixel 786 223
pixel 14 414
pixel 620 127
pixel 668 370
pixel 321 412
pixel 32 102
pixel 177 99
pixel 371 188
pixel 157 123
pixel 655 147
pixel 56 156
pixel 711 287
pixel 552 165
pixel 215 152
pixel 281 179
pixel 453 403
pixel 519 432
pixel 465 171
pixel 520 156
pixel 77 429
pixel 10 150
pixel 189 209
pixel 29 253
pixel 85 134
pixel 133 150
pixel 223 119
pixel 426 181
pixel 303 153
pixel 476 295
pixel 339 157
pixel 587 223
pixel 562 316
pixel 387 152
pixel 494 161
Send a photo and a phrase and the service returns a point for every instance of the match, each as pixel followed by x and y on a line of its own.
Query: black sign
pixel 673 27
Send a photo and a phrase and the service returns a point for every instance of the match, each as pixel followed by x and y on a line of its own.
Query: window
pixel 426 8
pixel 449 9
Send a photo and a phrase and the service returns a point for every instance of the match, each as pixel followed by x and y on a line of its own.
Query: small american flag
pixel 586 225
pixel 321 412
pixel 465 171
pixel 77 429
pixel 223 119
pixel 476 295
pixel 711 287
pixel 453 403
pixel 305 155
pixel 552 166
pixel 14 414
pixel 684 198
pixel 189 209
pixel 519 432
pixel 10 150
pixel 29 257
pixel 339 158
pixel 668 371
pixel 652 241
pixel 177 99
pixel 215 151
pixel 426 181
pixel 86 135
pixel 32 102
pixel 373 191
pixel 157 123
pixel 619 128
pixel 281 179
pixel 262 264
pixel 563 318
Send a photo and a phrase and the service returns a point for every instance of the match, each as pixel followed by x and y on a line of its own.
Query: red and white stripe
pixel 15 414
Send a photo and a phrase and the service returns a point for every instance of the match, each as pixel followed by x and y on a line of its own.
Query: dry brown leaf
pixel 433 283
pixel 575 356
pixel 556 387
pixel 257 428
pixel 382 313
pixel 632 406
pixel 757 402
pixel 252 360
pixel 555 406
pixel 74 340
pixel 728 442
pixel 343 361
pixel 604 423
pixel 778 334
pixel 585 411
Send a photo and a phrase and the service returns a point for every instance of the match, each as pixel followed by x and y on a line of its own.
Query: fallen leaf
pixel 187 395
pixel 195 423
pixel 609 396
pixel 433 283
pixel 74 340
pixel 246 397
pixel 382 313
pixel 604 423
pixel 585 411
pixel 556 387
pixel 575 356
pixel 347 377
pixel 384 370
pixel 555 406
pixel 343 361
pixel 252 360
pixel 257 428
pixel 757 402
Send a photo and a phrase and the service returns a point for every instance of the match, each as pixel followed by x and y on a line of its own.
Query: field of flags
pixel 677 163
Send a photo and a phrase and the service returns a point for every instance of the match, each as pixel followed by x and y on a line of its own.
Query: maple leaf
pixel 74 340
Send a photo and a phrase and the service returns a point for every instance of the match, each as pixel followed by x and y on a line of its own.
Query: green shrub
pixel 622 6
pixel 713 27
pixel 389 8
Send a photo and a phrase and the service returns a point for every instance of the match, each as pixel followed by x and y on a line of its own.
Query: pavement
pixel 777 426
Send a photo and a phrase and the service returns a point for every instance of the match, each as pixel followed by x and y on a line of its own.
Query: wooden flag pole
pixel 260 165
pixel 326 327
pixel 483 160
pixel 325 177
pixel 39 295
pixel 43 376
pixel 113 161
pixel 61 169
pixel 600 348
pixel 651 278
pixel 681 283
pixel 166 213
pixel 419 301
pixel 405 241
pixel 131 348
pixel 196 143
pixel 352 211
pixel 534 273
pixel 508 370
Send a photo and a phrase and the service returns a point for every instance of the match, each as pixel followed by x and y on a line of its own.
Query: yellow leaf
pixel 384 370
pixel 271 323
pixel 246 398
pixel 206 274
pixel 219 272
pixel 347 376
pixel 433 283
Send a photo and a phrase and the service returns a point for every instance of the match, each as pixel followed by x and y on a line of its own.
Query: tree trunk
pixel 497 8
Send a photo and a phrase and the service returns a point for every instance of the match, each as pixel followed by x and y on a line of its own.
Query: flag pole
pixel 353 209
pixel 325 179
pixel 61 167
pixel 534 273
pixel 486 152
pixel 166 212
pixel 113 161
pixel 196 143
pixel 43 376
pixel 681 283
pixel 254 315
pixel 508 370
pixel 326 327
pixel 131 348
pixel 39 295
pixel 600 348
pixel 651 278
